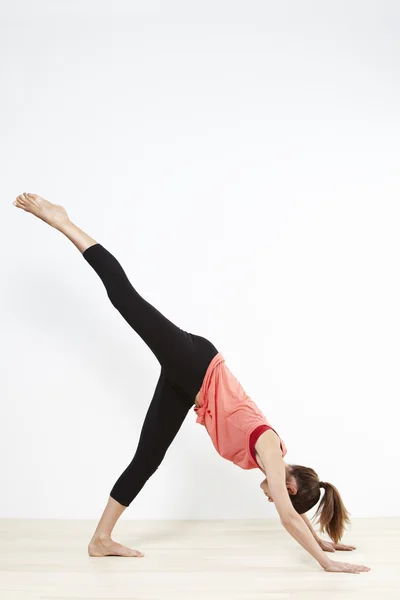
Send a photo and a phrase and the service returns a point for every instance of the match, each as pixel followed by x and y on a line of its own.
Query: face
pixel 265 489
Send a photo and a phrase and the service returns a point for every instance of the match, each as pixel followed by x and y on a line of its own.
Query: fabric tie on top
pixel 203 396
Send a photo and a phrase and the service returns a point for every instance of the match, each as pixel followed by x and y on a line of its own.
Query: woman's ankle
pixel 62 225
pixel 101 536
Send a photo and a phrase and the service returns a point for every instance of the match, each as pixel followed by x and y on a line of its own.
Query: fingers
pixel 343 567
pixel 358 568
pixel 348 568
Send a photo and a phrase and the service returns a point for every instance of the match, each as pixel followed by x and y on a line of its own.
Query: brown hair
pixel 332 513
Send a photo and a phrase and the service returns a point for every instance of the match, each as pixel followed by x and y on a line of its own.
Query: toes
pixel 121 550
pixel 134 553
pixel 22 200
pixel 25 200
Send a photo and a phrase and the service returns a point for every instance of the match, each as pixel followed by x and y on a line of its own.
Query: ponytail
pixel 332 513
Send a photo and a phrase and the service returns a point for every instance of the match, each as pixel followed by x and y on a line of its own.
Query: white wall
pixel 241 160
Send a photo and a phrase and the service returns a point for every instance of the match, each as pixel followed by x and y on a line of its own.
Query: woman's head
pixel 304 488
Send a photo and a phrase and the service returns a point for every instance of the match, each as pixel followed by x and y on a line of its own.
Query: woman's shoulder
pixel 269 439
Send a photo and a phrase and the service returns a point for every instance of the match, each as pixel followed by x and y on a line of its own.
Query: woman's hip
pixel 187 370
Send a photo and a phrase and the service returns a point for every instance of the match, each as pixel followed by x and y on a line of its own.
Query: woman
pixel 194 374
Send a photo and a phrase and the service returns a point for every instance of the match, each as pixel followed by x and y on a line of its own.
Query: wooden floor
pixel 192 560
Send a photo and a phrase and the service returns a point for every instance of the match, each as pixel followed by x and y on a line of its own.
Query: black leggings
pixel 184 358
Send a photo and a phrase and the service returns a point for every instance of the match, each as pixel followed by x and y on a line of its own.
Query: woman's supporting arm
pixel 271 457
pixel 270 454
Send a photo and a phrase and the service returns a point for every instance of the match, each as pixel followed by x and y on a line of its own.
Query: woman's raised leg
pixel 183 356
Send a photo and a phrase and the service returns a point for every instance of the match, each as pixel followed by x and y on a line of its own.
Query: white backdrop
pixel 241 160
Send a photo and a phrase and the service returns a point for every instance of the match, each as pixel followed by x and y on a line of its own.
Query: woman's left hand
pixel 332 547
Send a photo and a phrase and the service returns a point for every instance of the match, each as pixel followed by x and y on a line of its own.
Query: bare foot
pixel 53 214
pixel 105 546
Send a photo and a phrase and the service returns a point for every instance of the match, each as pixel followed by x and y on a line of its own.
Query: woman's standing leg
pixel 164 418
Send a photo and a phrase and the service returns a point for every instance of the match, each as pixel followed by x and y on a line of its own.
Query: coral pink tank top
pixel 233 421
